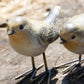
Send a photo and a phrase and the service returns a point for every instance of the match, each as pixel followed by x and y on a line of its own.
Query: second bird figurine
pixel 72 37
pixel 31 38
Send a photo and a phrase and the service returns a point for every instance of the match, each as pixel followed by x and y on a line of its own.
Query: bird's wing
pixel 48 34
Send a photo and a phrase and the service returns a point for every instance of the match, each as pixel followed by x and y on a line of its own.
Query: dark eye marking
pixel 21 27
pixel 73 37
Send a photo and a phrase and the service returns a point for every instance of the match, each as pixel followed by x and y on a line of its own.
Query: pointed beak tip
pixel 10 32
pixel 62 41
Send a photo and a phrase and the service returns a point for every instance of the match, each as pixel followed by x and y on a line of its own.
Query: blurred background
pixel 12 63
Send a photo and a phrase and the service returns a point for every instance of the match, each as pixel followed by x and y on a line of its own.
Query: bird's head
pixel 70 36
pixel 68 33
pixel 16 25
pixel 73 30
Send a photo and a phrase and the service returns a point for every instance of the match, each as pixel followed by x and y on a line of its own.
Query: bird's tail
pixel 53 15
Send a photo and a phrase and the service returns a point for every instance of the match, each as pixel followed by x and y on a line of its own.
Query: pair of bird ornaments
pixel 31 37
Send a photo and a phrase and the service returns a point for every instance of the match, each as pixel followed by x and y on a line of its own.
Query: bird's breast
pixel 75 47
pixel 27 46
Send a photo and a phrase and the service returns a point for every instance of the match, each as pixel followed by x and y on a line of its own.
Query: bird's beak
pixel 62 41
pixel 10 32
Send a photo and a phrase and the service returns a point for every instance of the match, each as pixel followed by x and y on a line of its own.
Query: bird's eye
pixel 21 27
pixel 73 37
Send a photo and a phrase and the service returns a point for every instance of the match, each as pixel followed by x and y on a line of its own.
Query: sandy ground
pixel 12 63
